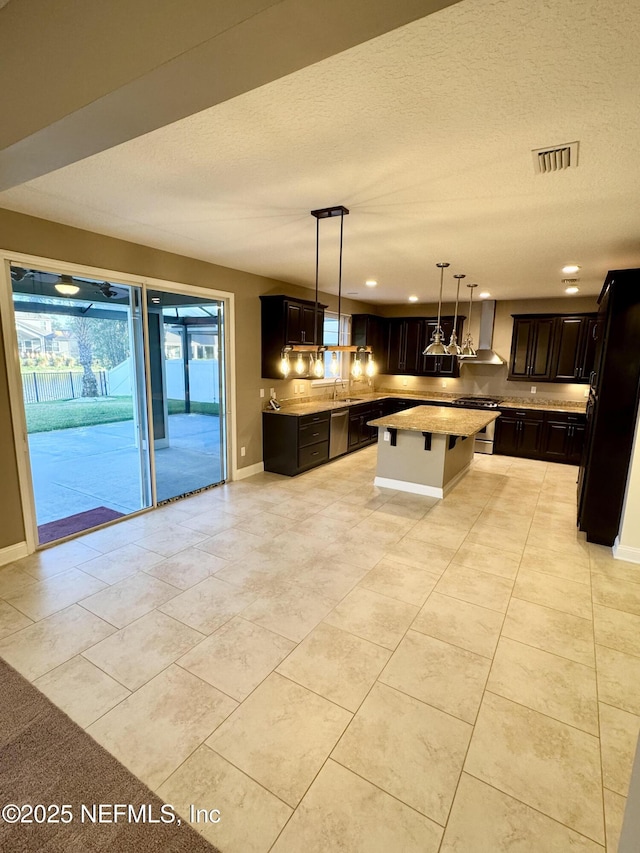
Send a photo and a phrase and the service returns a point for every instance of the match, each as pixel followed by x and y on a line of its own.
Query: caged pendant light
pixel 436 347
pixel 453 348
pixel 468 350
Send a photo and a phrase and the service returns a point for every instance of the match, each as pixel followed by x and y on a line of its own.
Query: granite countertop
pixel 544 405
pixel 313 407
pixel 438 419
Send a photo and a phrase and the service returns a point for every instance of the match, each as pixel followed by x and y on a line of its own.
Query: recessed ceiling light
pixel 570 268
pixel 413 299
pixel 484 295
pixel 371 283
pixel 572 289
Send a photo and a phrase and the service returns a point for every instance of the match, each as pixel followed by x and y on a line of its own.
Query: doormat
pixel 47 759
pixel 76 523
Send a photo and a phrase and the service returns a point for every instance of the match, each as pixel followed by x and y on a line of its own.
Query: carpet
pixel 76 523
pixel 46 758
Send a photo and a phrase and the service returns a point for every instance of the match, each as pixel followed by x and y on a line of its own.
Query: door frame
pixel 12 359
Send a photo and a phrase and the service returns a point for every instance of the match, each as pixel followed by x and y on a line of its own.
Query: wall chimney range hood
pixel 485 353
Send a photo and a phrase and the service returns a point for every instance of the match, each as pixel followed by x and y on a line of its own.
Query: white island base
pixel 409 467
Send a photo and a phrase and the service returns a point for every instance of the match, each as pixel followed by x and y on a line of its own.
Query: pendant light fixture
pixel 468 350
pixel 436 347
pixel 453 348
pixel 315 352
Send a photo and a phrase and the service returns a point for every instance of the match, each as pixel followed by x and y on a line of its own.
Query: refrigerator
pixel 612 408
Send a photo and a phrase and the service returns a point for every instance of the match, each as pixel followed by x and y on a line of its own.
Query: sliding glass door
pixel 186 363
pixel 81 363
pixel 90 352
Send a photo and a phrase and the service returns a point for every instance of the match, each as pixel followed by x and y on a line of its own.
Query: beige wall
pixel 11 526
pixel 45 239
pixel 490 380
pixel 629 541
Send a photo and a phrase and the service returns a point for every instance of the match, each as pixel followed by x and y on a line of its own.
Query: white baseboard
pixel 405 486
pixel 420 488
pixel 249 471
pixel 626 552
pixel 13 552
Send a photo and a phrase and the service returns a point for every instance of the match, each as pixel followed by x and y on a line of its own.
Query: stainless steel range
pixel 484 439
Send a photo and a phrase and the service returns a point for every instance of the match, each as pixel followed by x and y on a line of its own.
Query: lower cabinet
pixel 563 438
pixel 294 444
pixel 533 434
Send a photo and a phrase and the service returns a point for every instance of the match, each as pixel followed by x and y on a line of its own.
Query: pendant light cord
pixel 340 277
pixel 455 315
pixel 440 298
pixel 315 313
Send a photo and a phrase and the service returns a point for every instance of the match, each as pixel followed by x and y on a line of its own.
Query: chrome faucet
pixel 335 387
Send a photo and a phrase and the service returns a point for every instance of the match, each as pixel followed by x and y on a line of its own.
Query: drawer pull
pixel 315 434
pixel 315 453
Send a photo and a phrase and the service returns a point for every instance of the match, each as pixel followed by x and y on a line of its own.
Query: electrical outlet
pixel 444 384
pixel 586 392
pixel 386 435
pixel 243 451
pixel 262 392
pixel 405 382
pixel 533 389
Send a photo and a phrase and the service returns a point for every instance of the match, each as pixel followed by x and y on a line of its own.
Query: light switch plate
pixel 262 392
pixel 386 435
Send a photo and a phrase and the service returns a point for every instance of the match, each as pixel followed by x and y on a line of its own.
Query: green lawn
pixel 64 414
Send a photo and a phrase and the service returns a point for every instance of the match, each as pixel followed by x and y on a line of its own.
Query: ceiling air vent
pixel 555 158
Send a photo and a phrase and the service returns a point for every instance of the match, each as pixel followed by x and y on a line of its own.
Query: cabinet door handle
pixel 304 335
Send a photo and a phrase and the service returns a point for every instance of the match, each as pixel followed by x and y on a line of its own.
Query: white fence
pixel 203 380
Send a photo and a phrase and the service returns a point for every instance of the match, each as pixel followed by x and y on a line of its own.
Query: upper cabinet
pixel 407 338
pixel 576 348
pixel 552 348
pixel 369 330
pixel 288 321
pixel 532 347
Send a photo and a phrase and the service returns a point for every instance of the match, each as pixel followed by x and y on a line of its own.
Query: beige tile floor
pixel 339 667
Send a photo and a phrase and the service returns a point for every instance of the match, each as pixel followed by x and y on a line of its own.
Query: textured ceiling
pixel 425 133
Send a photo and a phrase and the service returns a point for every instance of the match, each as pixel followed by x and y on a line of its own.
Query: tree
pixel 110 340
pixel 82 329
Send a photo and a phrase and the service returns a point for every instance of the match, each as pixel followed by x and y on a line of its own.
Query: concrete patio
pixel 78 469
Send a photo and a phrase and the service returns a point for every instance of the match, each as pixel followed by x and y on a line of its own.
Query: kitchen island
pixel 427 449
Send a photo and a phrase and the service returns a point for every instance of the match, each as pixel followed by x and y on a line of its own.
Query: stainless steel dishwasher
pixel 339 435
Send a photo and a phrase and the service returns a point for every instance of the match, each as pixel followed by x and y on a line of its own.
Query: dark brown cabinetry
pixel 535 434
pixel 532 347
pixel 612 409
pixel 552 347
pixel 287 321
pixel 563 437
pixel 519 433
pixel 404 350
pixel 294 444
pixel 407 338
pixel 359 433
pixel 575 350
pixel 369 330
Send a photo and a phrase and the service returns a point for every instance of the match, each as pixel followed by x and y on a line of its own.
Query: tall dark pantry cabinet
pixel 612 409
